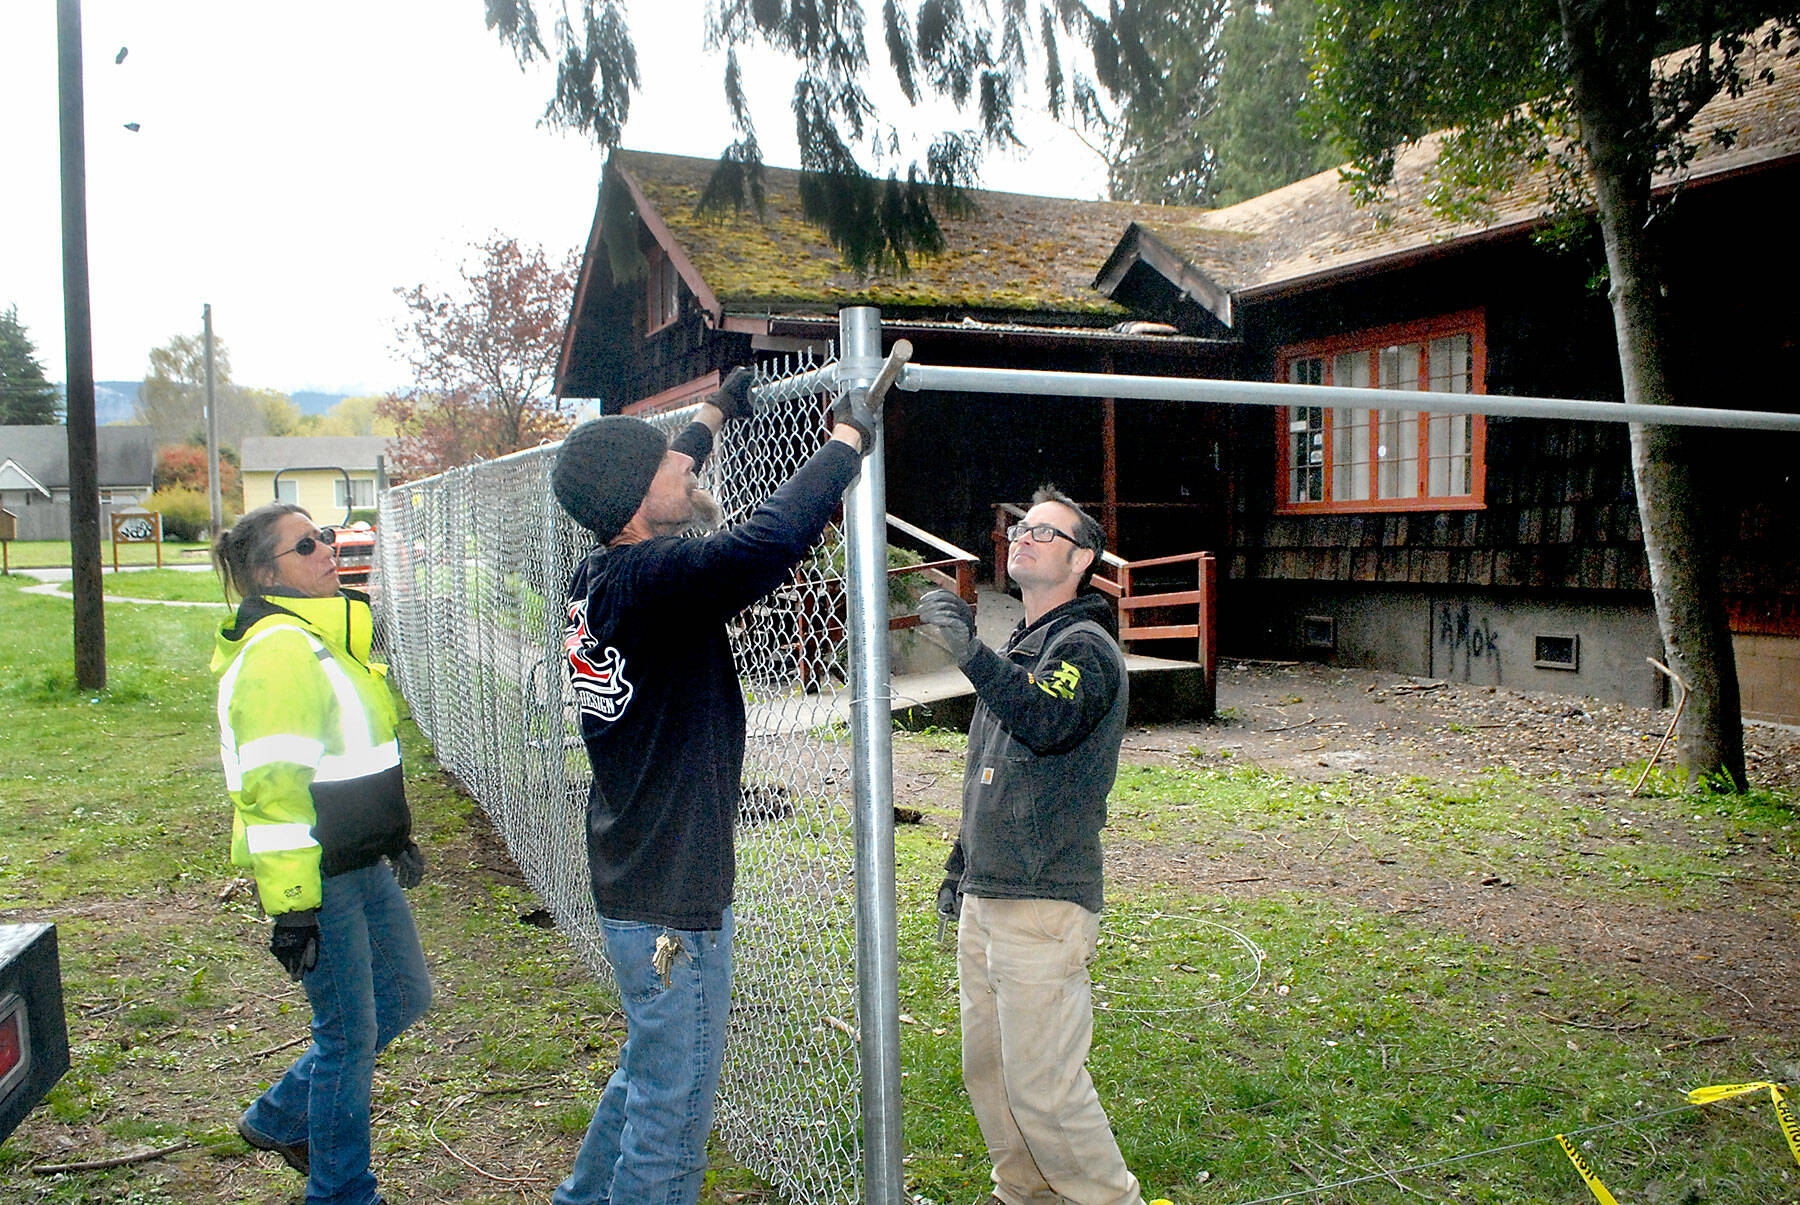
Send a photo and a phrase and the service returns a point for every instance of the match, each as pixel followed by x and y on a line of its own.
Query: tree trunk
pixel 1611 47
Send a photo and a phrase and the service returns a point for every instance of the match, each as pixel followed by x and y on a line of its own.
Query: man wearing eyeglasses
pixel 1025 871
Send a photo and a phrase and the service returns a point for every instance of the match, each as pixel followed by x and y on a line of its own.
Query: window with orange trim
pixel 662 296
pixel 1346 458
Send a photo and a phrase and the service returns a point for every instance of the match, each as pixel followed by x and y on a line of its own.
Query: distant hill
pixel 312 402
pixel 116 401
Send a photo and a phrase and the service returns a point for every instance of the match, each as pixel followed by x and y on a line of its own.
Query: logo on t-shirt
pixel 598 676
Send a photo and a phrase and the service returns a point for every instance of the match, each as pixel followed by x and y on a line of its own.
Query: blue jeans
pixel 369 985
pixel 647 1142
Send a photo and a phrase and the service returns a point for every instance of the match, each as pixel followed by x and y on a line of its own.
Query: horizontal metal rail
pixel 915 377
pixel 816 380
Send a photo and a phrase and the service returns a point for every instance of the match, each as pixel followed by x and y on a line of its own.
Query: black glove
pixel 951 616
pixel 295 941
pixel 949 901
pixel 949 909
pixel 851 410
pixel 409 866
pixel 733 395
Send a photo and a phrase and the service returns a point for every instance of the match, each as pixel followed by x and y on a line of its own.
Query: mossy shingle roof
pixel 1039 256
pixel 1013 252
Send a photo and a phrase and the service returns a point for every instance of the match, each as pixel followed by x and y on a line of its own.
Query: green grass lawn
pixel 1246 1049
pixel 54 554
pixel 168 585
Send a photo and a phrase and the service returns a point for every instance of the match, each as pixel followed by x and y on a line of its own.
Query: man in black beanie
pixel 663 720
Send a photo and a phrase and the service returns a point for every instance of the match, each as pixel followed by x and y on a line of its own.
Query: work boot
pixel 292 1153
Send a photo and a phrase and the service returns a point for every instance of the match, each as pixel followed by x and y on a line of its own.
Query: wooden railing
pixel 954 569
pixel 1143 615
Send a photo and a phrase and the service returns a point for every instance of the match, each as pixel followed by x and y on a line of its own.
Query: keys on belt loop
pixel 668 949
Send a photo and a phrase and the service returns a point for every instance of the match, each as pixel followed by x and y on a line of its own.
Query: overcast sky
pixel 296 163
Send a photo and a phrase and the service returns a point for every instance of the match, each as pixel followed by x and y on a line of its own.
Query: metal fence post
pixel 872 761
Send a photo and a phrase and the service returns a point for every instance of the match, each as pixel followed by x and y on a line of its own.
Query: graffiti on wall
pixel 1468 643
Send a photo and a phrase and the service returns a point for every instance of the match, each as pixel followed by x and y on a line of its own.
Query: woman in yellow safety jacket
pixel 312 763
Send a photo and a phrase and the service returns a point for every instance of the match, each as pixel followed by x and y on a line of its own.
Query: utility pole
pixel 78 336
pixel 212 433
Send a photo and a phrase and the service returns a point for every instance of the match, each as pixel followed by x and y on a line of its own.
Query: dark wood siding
pixel 1561 512
pixel 618 363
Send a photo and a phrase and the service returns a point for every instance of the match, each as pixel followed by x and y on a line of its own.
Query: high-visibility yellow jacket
pixel 307 734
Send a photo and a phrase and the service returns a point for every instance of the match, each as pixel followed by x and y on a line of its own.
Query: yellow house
pixel 329 475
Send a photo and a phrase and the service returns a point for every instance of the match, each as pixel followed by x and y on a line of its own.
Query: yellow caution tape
pixel 1784 1112
pixel 1587 1173
pixel 1706 1096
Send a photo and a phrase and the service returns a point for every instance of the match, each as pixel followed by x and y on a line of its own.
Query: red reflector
pixel 15 1043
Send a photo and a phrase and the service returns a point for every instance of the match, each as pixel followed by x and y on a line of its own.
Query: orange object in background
pixel 356 556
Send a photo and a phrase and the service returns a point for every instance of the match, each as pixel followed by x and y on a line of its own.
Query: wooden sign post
pixel 136 526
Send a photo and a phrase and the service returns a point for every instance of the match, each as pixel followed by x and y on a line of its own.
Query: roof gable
pixel 12 477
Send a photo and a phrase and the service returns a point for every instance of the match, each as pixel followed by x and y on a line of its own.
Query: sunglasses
pixel 1040 533
pixel 307 545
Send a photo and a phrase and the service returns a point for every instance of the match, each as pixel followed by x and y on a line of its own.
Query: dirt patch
pixel 1322 723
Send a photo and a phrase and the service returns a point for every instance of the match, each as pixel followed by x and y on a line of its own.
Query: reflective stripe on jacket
pixel 307 736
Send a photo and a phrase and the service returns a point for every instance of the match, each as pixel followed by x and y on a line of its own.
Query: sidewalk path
pixel 50 581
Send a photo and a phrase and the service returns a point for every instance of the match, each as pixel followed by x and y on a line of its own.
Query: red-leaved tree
pixel 183 466
pixel 483 360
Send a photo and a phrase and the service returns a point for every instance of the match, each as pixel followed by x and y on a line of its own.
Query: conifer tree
pixel 26 397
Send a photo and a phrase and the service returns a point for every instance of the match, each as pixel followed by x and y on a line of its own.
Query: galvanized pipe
pixel 1270 393
pixel 872 777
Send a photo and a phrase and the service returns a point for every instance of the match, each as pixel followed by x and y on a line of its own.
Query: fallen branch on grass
pixel 1574 1024
pixel 267 1050
pixel 94 1165
pixel 431 1128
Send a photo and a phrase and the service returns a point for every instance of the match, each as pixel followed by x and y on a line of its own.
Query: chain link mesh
pixel 474 563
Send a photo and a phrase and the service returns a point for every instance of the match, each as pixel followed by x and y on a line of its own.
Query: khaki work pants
pixel 1027 1023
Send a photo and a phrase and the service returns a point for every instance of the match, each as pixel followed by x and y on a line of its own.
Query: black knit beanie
pixel 604 470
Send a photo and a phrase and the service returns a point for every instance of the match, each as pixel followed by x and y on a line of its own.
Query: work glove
pixel 409 866
pixel 733 395
pixel 949 900
pixel 949 907
pixel 295 942
pixel 852 410
pixel 952 617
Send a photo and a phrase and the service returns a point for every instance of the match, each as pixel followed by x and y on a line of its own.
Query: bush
pixel 186 513
pixel 368 515
pixel 183 466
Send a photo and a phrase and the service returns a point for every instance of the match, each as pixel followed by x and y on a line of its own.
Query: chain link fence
pixel 474 563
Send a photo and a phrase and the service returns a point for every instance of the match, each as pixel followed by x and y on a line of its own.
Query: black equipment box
pixel 34 1039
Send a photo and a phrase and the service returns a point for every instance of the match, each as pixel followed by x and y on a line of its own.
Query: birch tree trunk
pixel 1611 52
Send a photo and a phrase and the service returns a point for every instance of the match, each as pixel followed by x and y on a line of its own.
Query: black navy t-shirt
pixel 661 711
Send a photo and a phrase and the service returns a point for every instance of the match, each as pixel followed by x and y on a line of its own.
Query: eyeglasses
pixel 1040 533
pixel 307 545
